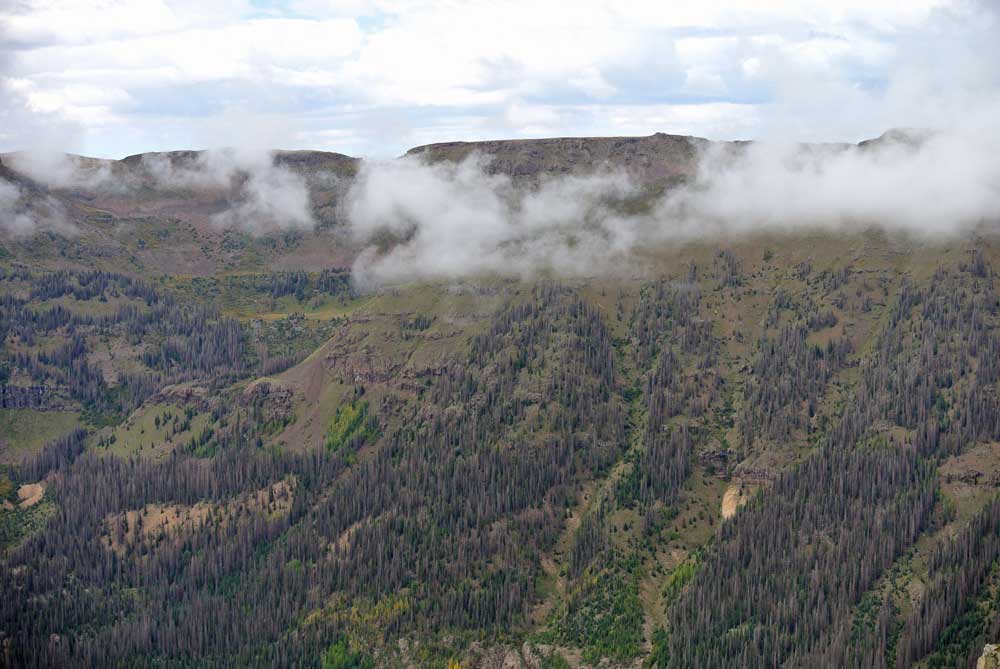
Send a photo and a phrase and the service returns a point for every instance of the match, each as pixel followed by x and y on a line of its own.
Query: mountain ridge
pixel 203 211
pixel 460 149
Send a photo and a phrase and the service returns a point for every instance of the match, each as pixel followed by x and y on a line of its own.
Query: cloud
pixel 25 122
pixel 942 71
pixel 143 75
pixel 262 196
pixel 922 183
pixel 441 221
pixel 59 170
pixel 24 213
pixel 239 166
pixel 269 197
pixel 450 220
pixel 13 218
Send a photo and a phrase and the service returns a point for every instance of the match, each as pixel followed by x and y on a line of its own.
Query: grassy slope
pixel 140 435
pixel 25 431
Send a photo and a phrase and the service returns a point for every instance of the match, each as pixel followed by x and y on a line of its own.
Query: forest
pixel 687 470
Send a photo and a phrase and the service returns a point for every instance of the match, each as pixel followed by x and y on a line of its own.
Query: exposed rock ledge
pixel 990 659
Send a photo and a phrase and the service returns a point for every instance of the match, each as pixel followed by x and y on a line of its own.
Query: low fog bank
pixel 23 212
pixel 14 217
pixel 449 220
pixel 921 182
pixel 262 196
pixel 441 221
pixel 413 220
pixel 269 197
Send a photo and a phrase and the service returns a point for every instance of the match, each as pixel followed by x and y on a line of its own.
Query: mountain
pixel 219 448
pixel 659 158
pixel 158 213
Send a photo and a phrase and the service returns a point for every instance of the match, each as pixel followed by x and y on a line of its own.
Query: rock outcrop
pixel 990 659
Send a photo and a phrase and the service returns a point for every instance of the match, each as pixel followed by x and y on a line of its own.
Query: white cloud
pixel 248 49
pixel 13 219
pixel 23 213
pixel 444 221
pixel 263 195
pixel 69 21
pixel 269 197
pixel 943 184
pixel 456 220
pixel 146 74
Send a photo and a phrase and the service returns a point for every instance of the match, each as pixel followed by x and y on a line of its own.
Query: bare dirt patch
pixel 735 496
pixel 30 494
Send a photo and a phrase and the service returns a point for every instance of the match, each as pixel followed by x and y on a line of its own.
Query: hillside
pixel 166 213
pixel 773 448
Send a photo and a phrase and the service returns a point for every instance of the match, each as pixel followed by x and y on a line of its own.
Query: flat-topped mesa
pixel 304 162
pixel 174 158
pixel 657 158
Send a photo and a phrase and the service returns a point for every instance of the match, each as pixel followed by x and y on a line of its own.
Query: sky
pixel 375 77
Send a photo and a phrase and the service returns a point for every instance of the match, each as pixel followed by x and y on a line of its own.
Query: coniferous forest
pixel 572 471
